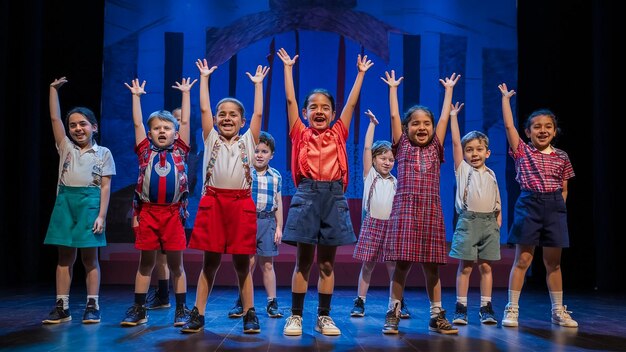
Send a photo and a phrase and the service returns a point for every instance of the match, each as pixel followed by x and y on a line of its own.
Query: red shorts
pixel 225 222
pixel 160 228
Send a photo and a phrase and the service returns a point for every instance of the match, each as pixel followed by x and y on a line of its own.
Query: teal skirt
pixel 71 224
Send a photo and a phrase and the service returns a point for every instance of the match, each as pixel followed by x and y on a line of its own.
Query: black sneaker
pixel 135 315
pixel 391 322
pixel 359 308
pixel 195 322
pixel 404 310
pixel 58 314
pixel 91 315
pixel 181 315
pixel 460 314
pixel 251 322
pixel 441 325
pixel 487 315
pixel 237 310
pixel 272 309
pixel 155 301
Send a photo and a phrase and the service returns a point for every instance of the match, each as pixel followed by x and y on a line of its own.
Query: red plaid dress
pixel 416 227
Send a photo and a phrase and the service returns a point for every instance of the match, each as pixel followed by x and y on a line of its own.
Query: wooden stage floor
pixel 599 316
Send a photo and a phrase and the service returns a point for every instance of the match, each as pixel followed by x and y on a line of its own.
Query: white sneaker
pixel 561 317
pixel 293 326
pixel 510 316
pixel 326 326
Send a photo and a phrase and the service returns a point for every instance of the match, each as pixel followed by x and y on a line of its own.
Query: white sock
pixel 269 299
pixel 484 300
pixel 362 298
pixel 462 300
pixel 435 308
pixel 514 299
pixel 556 297
pixel 66 301
pixel 95 297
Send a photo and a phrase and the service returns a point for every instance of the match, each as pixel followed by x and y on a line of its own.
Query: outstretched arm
pixel 507 115
pixel 55 110
pixel 442 124
pixel 369 140
pixel 184 130
pixel 137 91
pixel 257 114
pixel 290 92
pixel 394 110
pixel 205 100
pixel 457 148
pixel 363 64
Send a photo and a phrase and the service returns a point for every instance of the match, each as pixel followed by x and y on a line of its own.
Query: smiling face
pixel 475 153
pixel 229 119
pixel 319 111
pixel 80 129
pixel 541 131
pixel 383 163
pixel 162 132
pixel 420 128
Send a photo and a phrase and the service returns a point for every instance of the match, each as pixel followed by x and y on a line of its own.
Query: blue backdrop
pixel 159 41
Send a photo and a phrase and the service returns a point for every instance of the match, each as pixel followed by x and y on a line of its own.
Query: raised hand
pixel 450 82
pixel 373 118
pixel 58 83
pixel 363 64
pixel 505 92
pixel 136 88
pixel 456 108
pixel 284 56
pixel 186 84
pixel 390 79
pixel 203 66
pixel 261 72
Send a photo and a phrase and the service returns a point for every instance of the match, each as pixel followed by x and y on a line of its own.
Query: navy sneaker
pixel 237 310
pixel 195 322
pixel 460 314
pixel 404 310
pixel 251 322
pixel 181 315
pixel 272 309
pixel 91 315
pixel 487 315
pixel 155 301
pixel 58 314
pixel 359 308
pixel 391 322
pixel 135 315
pixel 441 325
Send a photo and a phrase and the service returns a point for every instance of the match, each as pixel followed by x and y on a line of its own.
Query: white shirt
pixel 228 172
pixel 382 197
pixel 483 195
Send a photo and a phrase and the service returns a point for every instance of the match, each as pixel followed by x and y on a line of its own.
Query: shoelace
pixel 294 321
pixel 327 321
pixel 564 314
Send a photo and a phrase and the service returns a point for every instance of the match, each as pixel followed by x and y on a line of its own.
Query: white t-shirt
pixel 382 197
pixel 84 168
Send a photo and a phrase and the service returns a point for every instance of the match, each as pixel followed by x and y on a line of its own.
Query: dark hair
pixel 380 147
pixel 412 109
pixel 234 101
pixel 163 115
pixel 267 138
pixel 540 112
pixel 470 136
pixel 87 113
pixel 323 92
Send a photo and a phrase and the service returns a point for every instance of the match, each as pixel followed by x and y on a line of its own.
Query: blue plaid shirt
pixel 266 188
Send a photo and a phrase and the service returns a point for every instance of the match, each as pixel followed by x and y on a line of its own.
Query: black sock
pixel 164 288
pixel 297 303
pixel 323 307
pixel 140 298
pixel 181 299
